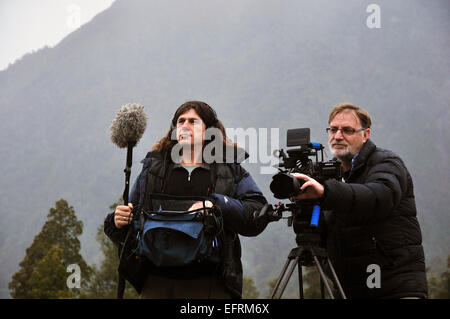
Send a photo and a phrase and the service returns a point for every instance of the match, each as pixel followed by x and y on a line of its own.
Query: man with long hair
pixel 185 163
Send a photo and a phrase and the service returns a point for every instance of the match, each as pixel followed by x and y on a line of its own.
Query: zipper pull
pixel 374 240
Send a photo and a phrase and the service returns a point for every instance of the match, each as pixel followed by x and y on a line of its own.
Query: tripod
pixel 308 254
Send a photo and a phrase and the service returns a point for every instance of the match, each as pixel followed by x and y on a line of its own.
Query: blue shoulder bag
pixel 179 238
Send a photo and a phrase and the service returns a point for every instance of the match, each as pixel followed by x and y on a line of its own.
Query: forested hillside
pixel 260 64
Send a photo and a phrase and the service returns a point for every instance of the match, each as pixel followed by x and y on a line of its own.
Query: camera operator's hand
pixel 199 205
pixel 123 215
pixel 311 189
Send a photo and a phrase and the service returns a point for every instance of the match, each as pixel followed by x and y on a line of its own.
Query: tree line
pixel 46 272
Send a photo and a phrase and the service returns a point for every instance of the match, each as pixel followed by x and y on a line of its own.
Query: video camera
pixel 305 213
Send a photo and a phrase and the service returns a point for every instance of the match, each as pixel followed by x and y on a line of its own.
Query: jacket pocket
pixel 387 258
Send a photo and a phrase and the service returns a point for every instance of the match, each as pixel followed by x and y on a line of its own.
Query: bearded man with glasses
pixel 373 235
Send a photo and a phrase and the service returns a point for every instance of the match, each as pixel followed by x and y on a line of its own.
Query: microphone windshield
pixel 129 125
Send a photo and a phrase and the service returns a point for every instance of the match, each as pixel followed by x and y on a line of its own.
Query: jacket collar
pixel 240 155
pixel 204 166
pixel 363 155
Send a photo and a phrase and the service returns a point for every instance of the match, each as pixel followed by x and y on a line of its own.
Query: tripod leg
pixel 291 270
pixel 280 278
pixel 322 290
pixel 336 280
pixel 300 281
pixel 324 278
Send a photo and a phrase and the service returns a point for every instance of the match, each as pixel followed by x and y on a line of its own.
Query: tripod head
pixel 304 218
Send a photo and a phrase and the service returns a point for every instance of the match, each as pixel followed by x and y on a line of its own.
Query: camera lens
pixel 285 186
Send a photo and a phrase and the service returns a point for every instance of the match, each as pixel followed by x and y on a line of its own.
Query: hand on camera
pixel 311 189
pixel 123 215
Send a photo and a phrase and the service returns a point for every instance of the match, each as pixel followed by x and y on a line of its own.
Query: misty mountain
pixel 260 64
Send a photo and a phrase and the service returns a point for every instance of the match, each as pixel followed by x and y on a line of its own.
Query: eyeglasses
pixel 345 130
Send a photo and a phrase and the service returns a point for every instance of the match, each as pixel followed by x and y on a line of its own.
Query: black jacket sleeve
pixel 117 235
pixel 238 211
pixel 373 200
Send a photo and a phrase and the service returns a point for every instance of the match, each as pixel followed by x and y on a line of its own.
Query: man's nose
pixel 338 135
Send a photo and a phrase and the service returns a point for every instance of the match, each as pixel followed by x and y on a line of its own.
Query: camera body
pixel 298 160
pixel 302 158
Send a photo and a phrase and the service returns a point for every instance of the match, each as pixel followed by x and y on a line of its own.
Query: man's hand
pixel 199 205
pixel 311 189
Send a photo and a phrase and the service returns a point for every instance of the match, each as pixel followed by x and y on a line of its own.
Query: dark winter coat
pixel 235 193
pixel 373 221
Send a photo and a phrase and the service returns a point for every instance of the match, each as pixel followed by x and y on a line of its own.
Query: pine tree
pixel 291 290
pixel 249 290
pixel 48 278
pixel 445 282
pixel 439 288
pixel 311 280
pixel 271 284
pixel 42 272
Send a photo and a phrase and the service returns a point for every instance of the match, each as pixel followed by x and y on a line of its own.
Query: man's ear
pixel 366 135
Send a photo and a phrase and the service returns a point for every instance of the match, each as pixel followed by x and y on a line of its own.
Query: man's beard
pixel 345 157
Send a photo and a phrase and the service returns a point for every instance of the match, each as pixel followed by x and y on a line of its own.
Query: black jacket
pixel 373 221
pixel 235 193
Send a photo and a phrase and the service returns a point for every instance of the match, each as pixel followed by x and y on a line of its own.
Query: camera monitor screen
pixel 298 137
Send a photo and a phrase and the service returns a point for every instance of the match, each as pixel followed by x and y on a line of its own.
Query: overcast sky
pixel 28 25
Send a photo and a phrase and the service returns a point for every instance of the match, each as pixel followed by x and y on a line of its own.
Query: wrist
pixel 324 192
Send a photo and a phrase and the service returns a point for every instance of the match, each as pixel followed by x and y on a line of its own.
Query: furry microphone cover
pixel 128 125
